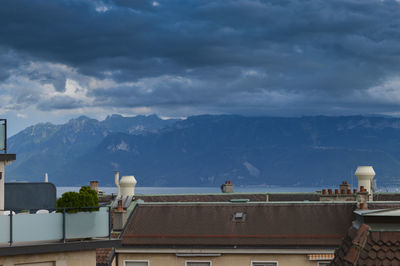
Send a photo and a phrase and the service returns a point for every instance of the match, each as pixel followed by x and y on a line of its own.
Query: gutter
pixel 217 252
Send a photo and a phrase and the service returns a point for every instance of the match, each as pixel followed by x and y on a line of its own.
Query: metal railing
pixel 57 225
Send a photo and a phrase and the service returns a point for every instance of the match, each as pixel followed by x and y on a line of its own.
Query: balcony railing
pixel 55 226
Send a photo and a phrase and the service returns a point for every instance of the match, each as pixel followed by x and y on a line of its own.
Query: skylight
pixel 239 216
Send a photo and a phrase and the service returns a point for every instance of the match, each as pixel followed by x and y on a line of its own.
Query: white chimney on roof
pixel 117 183
pixel 127 184
pixel 46 178
pixel 365 175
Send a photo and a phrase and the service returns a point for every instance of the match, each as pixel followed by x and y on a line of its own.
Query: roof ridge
pixel 247 202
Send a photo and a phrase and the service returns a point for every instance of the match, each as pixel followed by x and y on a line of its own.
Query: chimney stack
pixel 46 178
pixel 365 175
pixel 120 208
pixel 127 184
pixel 344 186
pixel 227 187
pixel 362 198
pixel 120 216
pixel 94 185
pixel 117 183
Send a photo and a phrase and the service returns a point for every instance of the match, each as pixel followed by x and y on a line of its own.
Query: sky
pixel 177 58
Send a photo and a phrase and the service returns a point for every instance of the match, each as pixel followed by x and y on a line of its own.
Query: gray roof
pixel 213 224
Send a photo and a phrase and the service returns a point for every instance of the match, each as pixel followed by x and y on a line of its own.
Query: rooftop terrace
pixel 26 228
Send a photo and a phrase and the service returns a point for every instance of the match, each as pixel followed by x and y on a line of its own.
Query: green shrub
pixel 86 197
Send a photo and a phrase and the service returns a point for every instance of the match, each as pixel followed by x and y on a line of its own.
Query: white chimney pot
pixel 365 174
pixel 127 184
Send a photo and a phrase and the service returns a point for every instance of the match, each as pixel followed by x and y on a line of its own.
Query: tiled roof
pixel 365 247
pixel 265 224
pixel 385 196
pixel 221 197
pixel 224 197
pixel 103 255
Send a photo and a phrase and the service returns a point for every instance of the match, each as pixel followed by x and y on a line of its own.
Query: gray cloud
pixel 59 103
pixel 182 57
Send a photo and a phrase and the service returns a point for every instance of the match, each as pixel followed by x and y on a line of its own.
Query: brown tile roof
pixel 385 196
pixel 224 197
pixel 268 224
pixel 103 255
pixel 365 247
pixel 382 205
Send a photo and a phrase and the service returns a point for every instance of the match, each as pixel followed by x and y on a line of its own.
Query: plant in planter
pixel 76 202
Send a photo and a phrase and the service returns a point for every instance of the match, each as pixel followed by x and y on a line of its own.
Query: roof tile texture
pixel 213 224
pixel 368 248
pixel 225 197
pixel 102 255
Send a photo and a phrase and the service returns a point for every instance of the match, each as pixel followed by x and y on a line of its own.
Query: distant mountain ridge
pixel 47 148
pixel 209 149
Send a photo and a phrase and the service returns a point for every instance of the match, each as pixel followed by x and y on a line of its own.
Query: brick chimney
pixel 227 187
pixel 120 216
pixel 344 186
pixel 362 198
pixel 341 194
pixel 94 185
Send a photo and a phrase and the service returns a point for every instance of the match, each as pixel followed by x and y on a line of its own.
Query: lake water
pixel 191 190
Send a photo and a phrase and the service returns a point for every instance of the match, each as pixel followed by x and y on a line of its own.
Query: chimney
pixel 227 187
pixel 117 183
pixel 127 184
pixel 120 216
pixel 362 198
pixel 344 186
pixel 94 185
pixel 365 176
pixel 120 208
pixel 46 178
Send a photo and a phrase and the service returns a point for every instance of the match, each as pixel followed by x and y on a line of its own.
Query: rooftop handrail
pixel 57 225
pixel 54 209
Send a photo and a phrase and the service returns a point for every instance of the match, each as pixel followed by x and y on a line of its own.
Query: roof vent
pixel 127 184
pixel 239 217
pixel 239 200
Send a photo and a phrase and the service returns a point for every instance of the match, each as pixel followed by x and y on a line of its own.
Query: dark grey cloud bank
pixel 187 57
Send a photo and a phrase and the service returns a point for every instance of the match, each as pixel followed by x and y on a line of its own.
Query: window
pixel 239 217
pixel 198 263
pixel 136 263
pixel 264 263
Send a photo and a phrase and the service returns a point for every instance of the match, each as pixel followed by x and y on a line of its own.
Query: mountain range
pixel 206 150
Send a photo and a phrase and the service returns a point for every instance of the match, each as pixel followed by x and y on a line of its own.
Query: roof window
pixel 239 217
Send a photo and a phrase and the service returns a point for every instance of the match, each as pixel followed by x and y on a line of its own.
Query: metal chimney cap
pixel 365 171
pixel 128 180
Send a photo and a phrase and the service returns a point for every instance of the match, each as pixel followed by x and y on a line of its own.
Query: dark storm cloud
pixel 243 56
pixel 59 102
pixel 8 61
